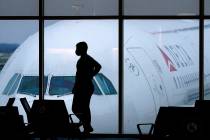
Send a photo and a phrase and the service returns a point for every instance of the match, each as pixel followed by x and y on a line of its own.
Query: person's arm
pixel 96 67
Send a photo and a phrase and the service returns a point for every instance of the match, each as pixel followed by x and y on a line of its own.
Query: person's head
pixel 81 48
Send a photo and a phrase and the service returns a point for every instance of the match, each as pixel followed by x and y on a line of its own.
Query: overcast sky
pixel 17 31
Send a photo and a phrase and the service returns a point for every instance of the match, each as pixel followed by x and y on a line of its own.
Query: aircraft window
pixel 96 89
pixel 12 84
pixel 63 85
pixel 106 84
pixel 30 85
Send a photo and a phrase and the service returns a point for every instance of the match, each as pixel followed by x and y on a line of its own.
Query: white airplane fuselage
pixel 160 69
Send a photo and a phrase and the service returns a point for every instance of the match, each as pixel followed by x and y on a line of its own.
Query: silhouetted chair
pixel 176 122
pixel 145 124
pixel 11 123
pixel 203 106
pixel 26 107
pixel 50 118
pixel 72 121
pixel 10 102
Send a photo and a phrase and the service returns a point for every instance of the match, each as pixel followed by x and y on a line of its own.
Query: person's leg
pixel 76 106
pixel 87 114
pixel 81 108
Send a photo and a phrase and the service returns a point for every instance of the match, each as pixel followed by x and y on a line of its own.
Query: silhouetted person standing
pixel 83 89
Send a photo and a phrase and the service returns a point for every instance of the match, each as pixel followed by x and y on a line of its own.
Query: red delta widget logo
pixel 168 61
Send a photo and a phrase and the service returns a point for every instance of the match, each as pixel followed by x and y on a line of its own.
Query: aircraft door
pixel 151 74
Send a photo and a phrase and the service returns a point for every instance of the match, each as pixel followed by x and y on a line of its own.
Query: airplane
pixel 161 68
pixel 167 62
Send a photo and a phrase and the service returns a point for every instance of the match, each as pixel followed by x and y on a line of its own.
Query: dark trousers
pixel 81 107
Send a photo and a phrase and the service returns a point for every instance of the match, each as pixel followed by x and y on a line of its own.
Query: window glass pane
pixel 160 68
pixel 19 56
pixel 207 7
pixel 81 7
pixel 19 7
pixel 101 37
pixel 161 7
pixel 207 60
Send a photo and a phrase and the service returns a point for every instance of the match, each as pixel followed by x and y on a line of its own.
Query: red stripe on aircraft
pixel 168 61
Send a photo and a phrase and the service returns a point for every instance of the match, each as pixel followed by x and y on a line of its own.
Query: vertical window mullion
pixel 41 50
pixel 120 102
pixel 201 50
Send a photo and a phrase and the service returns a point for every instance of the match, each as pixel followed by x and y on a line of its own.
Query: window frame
pixel 120 17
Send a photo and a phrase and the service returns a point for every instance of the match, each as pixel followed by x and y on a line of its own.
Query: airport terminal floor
pixel 90 138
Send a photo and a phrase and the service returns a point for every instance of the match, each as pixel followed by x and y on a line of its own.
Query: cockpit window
pixel 96 89
pixel 105 84
pixel 12 84
pixel 63 85
pixel 30 85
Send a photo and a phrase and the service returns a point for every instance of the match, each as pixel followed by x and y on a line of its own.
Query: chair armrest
pixel 26 124
pixel 142 124
pixel 71 119
pixel 70 116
